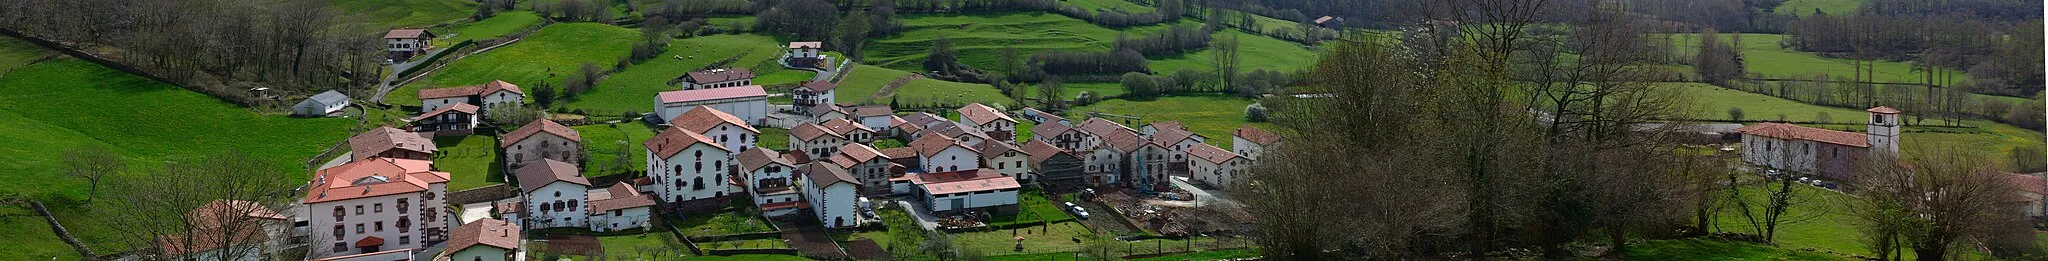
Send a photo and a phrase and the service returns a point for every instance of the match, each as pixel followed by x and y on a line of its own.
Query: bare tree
pixel 189 204
pixel 93 164
pixel 1933 201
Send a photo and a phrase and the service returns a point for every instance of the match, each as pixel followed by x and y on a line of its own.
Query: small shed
pixel 323 104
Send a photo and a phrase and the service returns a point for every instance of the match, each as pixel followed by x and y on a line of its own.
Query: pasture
pixel 500 25
pixel 1214 116
pixel 634 88
pixel 866 80
pixel 1804 8
pixel 544 58
pixel 1765 55
pixel 404 13
pixel 980 38
pixel 603 144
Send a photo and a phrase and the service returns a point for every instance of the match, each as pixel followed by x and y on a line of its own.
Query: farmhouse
pixel 2031 189
pixel 718 78
pixel 868 167
pixel 227 227
pixel 825 112
pixel 852 131
pixel 1137 162
pixel 1051 164
pixel 831 193
pixel 454 120
pixel 404 43
pixel 554 190
pixel 686 166
pixel 323 104
pixel 812 94
pixel 1061 135
pixel 484 239
pixel 960 190
pixel 1252 142
pixel 875 117
pixel 749 103
pixel 768 177
pixel 619 207
pixel 1152 129
pixel 542 139
pixel 805 54
pixel 991 122
pixel 1828 153
pixel 1006 159
pixel 1176 140
pixel 965 134
pixel 1215 166
pixel 375 205
pixel 483 96
pixel 814 141
pixel 1042 117
pixel 390 143
pixel 941 154
pixel 730 131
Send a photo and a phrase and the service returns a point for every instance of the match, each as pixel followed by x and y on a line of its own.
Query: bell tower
pixel 1883 131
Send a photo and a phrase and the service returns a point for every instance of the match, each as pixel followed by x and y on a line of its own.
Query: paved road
pixel 917 211
pixel 1203 197
pixel 390 80
pixel 823 74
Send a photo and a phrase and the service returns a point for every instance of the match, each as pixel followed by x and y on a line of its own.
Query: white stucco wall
pixel 571 195
pixel 833 204
pixel 1246 147
pixel 321 219
pixel 953 158
pixel 500 98
pixel 544 145
pixel 480 252
pixel 1012 164
pixel 682 169
pixel 973 200
pixel 750 110
pixel 629 218
pixel 732 137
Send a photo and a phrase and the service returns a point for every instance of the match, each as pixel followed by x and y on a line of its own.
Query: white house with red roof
pixel 876 117
pixel 1005 158
pixel 959 190
pixel 554 194
pixel 1252 141
pixel 867 165
pixel 815 141
pixel 619 207
pixel 1175 138
pixel 937 153
pixel 831 194
pixel 376 205
pixel 854 132
pixel 459 119
pixel 748 102
pixel 388 142
pixel 1217 167
pixel 768 178
pixel 1828 153
pixel 485 96
pixel 484 240
pixel 686 166
pixel 403 43
pixel 542 139
pixel 718 78
pixel 812 94
pixel 805 54
pixel 990 121
pixel 2031 189
pixel 728 130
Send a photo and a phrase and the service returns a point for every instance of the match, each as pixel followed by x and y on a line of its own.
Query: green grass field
pixel 1821 219
pixel 601 142
pixel 1707 249
pixel 548 56
pixel 629 245
pixel 497 26
pixel 55 105
pixel 1763 55
pixel 405 13
pixel 1804 8
pixel 470 160
pixel 1713 102
pixel 865 80
pixel 1993 139
pixel 1254 52
pixel 16 53
pixel 634 88
pixel 980 38
pixel 1100 6
pixel 1057 237
pixel 1213 116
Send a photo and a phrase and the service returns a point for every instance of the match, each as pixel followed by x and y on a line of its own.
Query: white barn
pixel 323 104
pixel 749 103
pixel 960 190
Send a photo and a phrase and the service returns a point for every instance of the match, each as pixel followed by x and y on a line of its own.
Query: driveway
pixel 474 211
pixel 1203 197
pixel 924 217
pixel 390 80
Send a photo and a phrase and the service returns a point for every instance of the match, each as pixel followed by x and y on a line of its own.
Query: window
pixel 380 226
pixel 338 232
pixel 340 213
pixel 359 228
pixel 340 247
pixel 572 205
pixel 404 224
pixel 378 208
pixel 404 240
pixel 558 194
pixel 359 209
pixel 560 206
pixel 544 207
pixel 402 206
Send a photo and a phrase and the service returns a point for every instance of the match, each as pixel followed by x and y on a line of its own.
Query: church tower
pixel 1884 129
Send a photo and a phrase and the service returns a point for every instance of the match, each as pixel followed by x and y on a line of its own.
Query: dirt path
pixel 890 90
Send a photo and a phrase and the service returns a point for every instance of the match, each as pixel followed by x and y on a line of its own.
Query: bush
pixel 1255 113
pixel 1086 98
pixel 1735 114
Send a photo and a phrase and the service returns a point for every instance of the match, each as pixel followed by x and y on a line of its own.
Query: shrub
pixel 1255 113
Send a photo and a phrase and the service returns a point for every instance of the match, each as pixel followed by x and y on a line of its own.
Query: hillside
pixel 546 57
pixel 1804 8
pixel 981 38
pixel 404 13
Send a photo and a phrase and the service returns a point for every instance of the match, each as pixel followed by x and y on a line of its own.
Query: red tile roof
pixel 1098 126
pixel 973 180
pixel 899 153
pixel 817 86
pixel 923 119
pixel 1884 110
pixel 982 114
pixel 472 90
pixel 711 94
pixel 381 139
pixel 702 118
pixel 810 132
pixel 674 140
pixel 370 241
pixel 535 176
pixel 844 127
pixel 1796 132
pixel 2029 183
pixel 459 107
pixel 1211 153
pixel 372 177
pixel 823 174
pixel 1050 128
pixel 618 196
pixel 992 149
pixel 206 216
pixel 756 158
pixel 1256 135
pixel 1169 137
pixel 203 234
pixel 1167 125
pixel 483 232
pixel 1040 151
pixel 539 126
pixel 810 45
pixel 407 33
pixel 720 75
pixel 1324 19
pixel 859 152
pixel 933 144
pixel 872 111
pixel 1128 142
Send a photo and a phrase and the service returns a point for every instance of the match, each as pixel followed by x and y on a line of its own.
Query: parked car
pixel 1080 213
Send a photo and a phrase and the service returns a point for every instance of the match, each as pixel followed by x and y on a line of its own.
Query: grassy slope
pixel 1991 138
pixel 1703 249
pixel 1111 6
pixel 1804 8
pixel 1212 116
pixel 1762 55
pixel 547 57
pixel 601 141
pixel 405 13
pixel 16 53
pixel 865 80
pixel 634 88
pixel 1254 52
pixel 1713 102
pixel 497 26
pixel 980 38
pixel 470 160
pixel 40 112
pixel 1822 220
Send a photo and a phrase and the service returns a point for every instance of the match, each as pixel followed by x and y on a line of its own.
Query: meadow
pixel 634 88
pixel 866 80
pixel 980 38
pixel 602 143
pixel 1254 52
pixel 499 25
pixel 470 160
pixel 1993 139
pixel 1804 8
pixel 1214 116
pixel 404 13
pixel 1765 55
pixel 544 58
pixel 16 53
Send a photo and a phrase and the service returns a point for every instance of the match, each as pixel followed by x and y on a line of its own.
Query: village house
pixel 903 159
pixel 619 207
pixel 867 166
pixel 814 141
pixel 1175 138
pixel 1152 129
pixel 832 194
pixel 323 104
pixel 812 94
pixel 375 205
pixel 1828 153
pixel 1105 163
pixel 941 154
pixel 2032 188
pixel 483 240
pixel 484 96
pixel 1042 117
pixel 903 129
pixel 456 120
pixel 960 190
pixel 718 78
pixel 805 54
pixel 1252 142
pixel 853 132
pixel 1062 136
pixel 991 122
pixel 875 117
pixel 1050 164
pixel 391 143
pixel 227 227
pixel 749 102
pixel 825 112
pixel 1006 159
pixel 686 166
pixel 403 43
pixel 728 130
pixel 915 123
pixel 1217 167
pixel 554 190
pixel 768 179
pixel 1139 163
pixel 963 133
pixel 542 139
